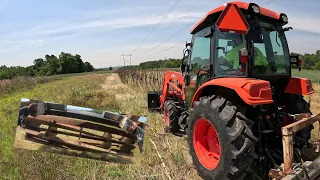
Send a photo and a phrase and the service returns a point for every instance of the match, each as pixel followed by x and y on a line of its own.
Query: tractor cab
pixel 239 40
pixel 245 116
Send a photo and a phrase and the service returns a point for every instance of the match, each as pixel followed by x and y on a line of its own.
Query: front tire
pixel 172 114
pixel 228 149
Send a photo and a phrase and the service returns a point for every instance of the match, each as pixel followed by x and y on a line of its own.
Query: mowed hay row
pixel 144 79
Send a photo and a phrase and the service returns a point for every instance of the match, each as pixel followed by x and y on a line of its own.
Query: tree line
pixel 157 64
pixel 51 65
pixel 310 61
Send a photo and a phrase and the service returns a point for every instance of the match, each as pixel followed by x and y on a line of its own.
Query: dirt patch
pixel 114 85
pixel 315 106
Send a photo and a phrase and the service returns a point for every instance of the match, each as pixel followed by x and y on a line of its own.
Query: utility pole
pixel 126 58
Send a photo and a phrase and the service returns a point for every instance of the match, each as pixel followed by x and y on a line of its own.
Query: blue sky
pixel 101 30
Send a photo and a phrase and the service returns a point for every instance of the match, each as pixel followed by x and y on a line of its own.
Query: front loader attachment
pixel 154 100
pixel 295 171
pixel 106 132
pixel 173 88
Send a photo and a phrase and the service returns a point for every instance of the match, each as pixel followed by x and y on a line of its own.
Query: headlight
pixel 256 9
pixel 285 18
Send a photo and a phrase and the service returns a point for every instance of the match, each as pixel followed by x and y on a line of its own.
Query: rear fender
pixel 251 91
pixel 301 86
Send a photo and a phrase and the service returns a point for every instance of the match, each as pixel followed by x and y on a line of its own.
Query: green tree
pixel 80 63
pixel 68 63
pixel 88 67
pixel 52 65
pixel 39 63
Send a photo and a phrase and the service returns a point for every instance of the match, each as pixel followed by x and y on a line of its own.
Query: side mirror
pixel 184 60
pixel 297 62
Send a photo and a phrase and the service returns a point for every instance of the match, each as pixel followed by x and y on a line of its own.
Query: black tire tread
pixel 239 132
pixel 174 114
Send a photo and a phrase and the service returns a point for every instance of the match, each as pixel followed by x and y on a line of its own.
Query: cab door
pixel 199 69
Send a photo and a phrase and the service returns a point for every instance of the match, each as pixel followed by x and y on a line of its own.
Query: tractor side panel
pixel 298 85
pixel 251 91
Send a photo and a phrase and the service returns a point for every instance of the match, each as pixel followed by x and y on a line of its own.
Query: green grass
pixel 19 84
pixel 314 75
pixel 80 91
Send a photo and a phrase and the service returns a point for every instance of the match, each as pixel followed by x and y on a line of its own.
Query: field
pixel 101 91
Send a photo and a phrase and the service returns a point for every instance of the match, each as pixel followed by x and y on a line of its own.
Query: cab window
pixel 200 58
pixel 228 46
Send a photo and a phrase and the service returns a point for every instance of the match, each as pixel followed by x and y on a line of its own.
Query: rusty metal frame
pixel 302 121
pixel 123 131
pixel 75 128
pixel 53 125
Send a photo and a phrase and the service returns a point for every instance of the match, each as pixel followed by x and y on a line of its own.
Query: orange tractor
pixel 244 114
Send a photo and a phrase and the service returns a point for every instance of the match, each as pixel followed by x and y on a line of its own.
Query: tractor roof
pixel 214 14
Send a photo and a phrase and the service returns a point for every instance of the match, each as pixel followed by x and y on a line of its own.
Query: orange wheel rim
pixel 206 144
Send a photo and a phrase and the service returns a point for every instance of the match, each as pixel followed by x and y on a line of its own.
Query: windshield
pixel 227 53
pixel 271 55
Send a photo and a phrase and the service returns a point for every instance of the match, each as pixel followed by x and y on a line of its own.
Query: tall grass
pixel 21 83
pixel 144 79
pixel 314 75
pixel 83 91
pixel 153 79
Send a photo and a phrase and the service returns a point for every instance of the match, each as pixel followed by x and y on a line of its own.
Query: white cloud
pixel 303 23
pixel 108 23
pixel 303 42
pixel 60 30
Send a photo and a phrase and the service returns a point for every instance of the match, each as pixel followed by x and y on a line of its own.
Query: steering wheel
pixel 225 66
pixel 221 69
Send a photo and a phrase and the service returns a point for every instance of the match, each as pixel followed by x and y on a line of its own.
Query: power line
pixel 163 7
pixel 168 48
pixel 175 33
pixel 154 28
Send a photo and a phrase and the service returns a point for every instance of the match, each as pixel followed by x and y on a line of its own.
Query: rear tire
pixel 235 138
pixel 172 114
pixel 296 105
